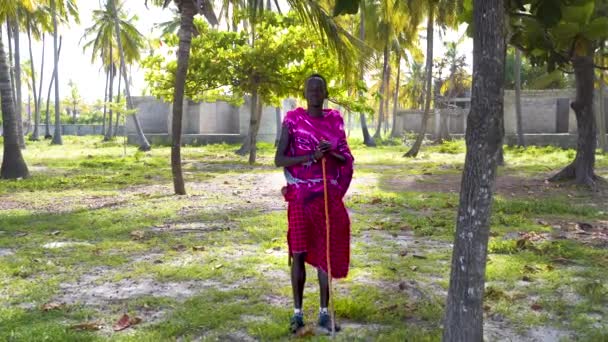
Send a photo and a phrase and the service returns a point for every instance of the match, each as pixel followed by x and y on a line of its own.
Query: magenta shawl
pixel 305 181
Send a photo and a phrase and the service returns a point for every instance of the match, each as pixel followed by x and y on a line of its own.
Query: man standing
pixel 307 136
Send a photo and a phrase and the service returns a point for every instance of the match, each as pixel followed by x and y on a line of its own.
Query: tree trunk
pixel 144 145
pixel 105 101
pixel 19 95
pixel 413 152
pixel 11 67
pixel 368 140
pixel 117 103
pixel 183 55
pixel 518 114
pixel 254 125
pixel 13 165
pixel 36 103
pixel 396 96
pixel 279 124
pixel 602 116
pixel 28 124
pixel 581 170
pixel 47 134
pixel 37 119
pixel 108 135
pixel 57 136
pixel 387 97
pixel 464 310
pixel 349 122
pixel 378 134
pixel 444 133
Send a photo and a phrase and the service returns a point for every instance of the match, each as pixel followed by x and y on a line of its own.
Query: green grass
pixel 93 193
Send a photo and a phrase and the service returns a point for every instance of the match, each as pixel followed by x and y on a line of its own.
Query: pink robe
pixel 304 190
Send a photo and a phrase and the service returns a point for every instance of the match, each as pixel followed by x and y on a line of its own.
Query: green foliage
pixel 552 33
pixel 225 65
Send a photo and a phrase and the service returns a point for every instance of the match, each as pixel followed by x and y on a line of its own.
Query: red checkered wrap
pixel 307 232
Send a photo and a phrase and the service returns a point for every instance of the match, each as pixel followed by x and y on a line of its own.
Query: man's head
pixel 315 90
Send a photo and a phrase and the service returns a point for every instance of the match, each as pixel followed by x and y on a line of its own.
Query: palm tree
pixel 115 50
pixel 59 8
pixel 13 164
pixel 37 23
pixel 188 9
pixel 12 25
pixel 446 12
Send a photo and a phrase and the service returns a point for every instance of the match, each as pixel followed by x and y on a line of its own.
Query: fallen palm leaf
pixel 88 326
pixel 198 248
pixel 52 306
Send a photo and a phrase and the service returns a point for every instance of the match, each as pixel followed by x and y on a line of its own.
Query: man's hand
pixel 323 147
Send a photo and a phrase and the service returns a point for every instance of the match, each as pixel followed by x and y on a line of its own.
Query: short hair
pixel 316 76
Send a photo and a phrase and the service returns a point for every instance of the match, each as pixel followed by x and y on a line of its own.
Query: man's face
pixel 315 92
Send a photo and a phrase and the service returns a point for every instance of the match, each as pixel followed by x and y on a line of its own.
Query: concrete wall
pixel 219 119
pixel 81 130
pixel 539 114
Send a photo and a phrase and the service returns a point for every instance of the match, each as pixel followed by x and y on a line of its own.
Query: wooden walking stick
pixel 327 236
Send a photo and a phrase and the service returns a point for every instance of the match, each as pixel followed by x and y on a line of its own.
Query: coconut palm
pixel 13 164
pixel 444 13
pixel 111 48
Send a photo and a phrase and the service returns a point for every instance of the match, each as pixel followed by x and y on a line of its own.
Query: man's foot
pixel 325 322
pixel 296 323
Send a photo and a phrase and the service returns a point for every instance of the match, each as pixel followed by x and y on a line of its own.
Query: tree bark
pixel 378 134
pixel 13 164
pixel 108 135
pixel 37 119
pixel 413 152
pixel 602 116
pixel 518 114
pixel 118 104
pixel 387 97
pixel 36 104
pixel 47 134
pixel 396 96
pixel 581 170
pixel 278 124
pixel 183 55
pixel 444 133
pixel 105 101
pixel 254 125
pixel 464 310
pixel 144 145
pixel 18 95
pixel 368 140
pixel 11 67
pixel 57 136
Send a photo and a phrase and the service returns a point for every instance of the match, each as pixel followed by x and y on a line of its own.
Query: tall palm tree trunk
pixel 18 95
pixel 36 103
pixel 188 10
pixel 38 119
pixel 368 140
pixel 518 113
pixel 396 97
pixel 143 142
pixel 47 133
pixel 413 152
pixel 57 136
pixel 118 103
pixel 108 134
pixel 11 67
pixel 378 133
pixel 105 103
pixel 601 115
pixel 13 164
pixel 387 96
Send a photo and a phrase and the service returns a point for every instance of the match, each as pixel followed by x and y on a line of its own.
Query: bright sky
pixel 74 64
